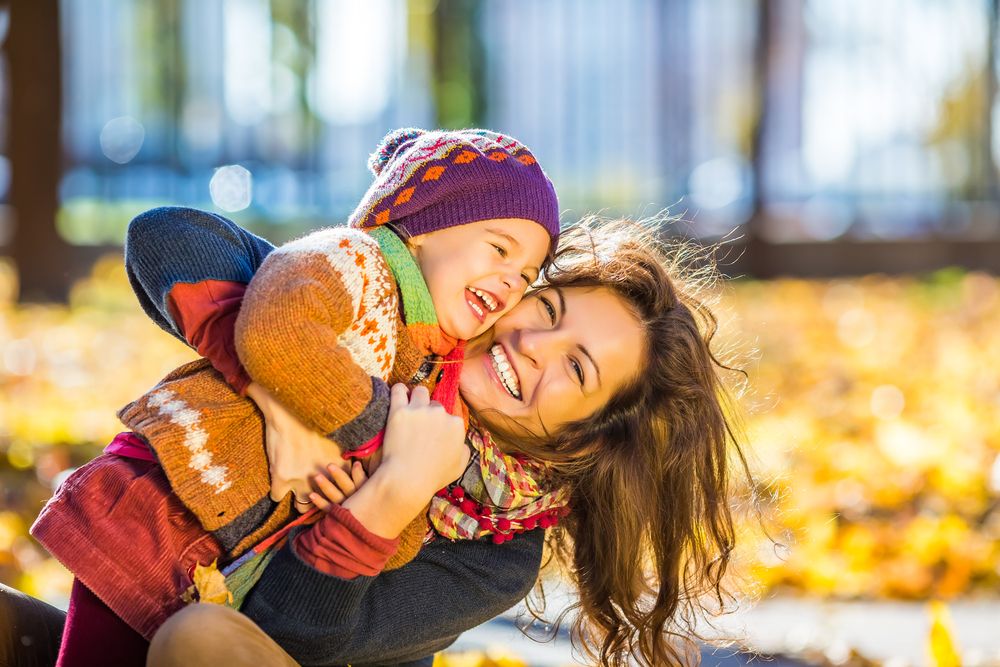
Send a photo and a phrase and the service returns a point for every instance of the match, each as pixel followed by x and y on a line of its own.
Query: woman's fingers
pixel 419 397
pixel 399 397
pixel 425 447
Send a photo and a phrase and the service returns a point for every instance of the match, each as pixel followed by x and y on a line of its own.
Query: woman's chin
pixel 480 392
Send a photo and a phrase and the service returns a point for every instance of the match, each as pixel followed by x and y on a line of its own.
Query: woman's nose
pixel 539 345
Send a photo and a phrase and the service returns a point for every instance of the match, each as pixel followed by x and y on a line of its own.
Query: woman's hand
pixel 423 450
pixel 423 440
pixel 295 453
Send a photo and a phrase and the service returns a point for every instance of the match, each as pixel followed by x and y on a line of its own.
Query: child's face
pixel 478 271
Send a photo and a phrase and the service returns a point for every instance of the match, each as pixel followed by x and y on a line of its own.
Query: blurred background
pixel 842 152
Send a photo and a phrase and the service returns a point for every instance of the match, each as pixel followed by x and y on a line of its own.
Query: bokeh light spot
pixel 887 402
pixel 717 183
pixel 21 454
pixel 231 188
pixel 121 139
pixel 19 357
pixel 11 526
pixel 856 327
pixel 995 476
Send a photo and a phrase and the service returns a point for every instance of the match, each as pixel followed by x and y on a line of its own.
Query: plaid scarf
pixel 499 494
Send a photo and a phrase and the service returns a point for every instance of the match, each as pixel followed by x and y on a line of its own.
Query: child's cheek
pixel 488 323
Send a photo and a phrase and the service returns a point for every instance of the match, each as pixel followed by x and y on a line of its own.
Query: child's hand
pixel 337 486
pixel 295 453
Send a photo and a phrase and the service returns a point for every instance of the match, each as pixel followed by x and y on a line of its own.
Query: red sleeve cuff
pixel 365 450
pixel 339 545
pixel 205 312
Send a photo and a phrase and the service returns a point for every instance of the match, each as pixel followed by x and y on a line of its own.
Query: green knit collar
pixel 418 309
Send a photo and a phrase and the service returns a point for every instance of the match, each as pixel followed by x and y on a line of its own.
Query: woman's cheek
pixel 560 404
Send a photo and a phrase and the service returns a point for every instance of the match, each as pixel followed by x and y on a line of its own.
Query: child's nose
pixel 514 282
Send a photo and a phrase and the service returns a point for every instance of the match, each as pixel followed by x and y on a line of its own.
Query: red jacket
pixel 118 527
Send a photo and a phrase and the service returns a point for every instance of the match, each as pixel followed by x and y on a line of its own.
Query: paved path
pixel 501 637
pixel 894 632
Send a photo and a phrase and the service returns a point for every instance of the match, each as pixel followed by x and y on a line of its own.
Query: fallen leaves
pixel 872 417
pixel 211 585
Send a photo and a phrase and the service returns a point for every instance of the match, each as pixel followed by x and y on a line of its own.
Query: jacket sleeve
pixel 399 615
pixel 340 545
pixel 317 330
pixel 171 245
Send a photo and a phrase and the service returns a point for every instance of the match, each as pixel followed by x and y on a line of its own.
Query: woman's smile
pixel 503 369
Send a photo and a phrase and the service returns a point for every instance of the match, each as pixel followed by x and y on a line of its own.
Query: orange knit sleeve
pixel 317 329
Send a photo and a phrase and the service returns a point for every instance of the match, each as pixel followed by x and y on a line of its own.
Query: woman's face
pixel 558 356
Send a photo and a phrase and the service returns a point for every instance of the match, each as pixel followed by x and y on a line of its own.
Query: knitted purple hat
pixel 430 180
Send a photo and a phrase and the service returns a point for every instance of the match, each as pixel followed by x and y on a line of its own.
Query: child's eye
pixel 500 250
pixel 577 369
pixel 527 280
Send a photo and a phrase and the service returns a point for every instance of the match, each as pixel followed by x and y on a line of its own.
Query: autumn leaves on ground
pixel 870 413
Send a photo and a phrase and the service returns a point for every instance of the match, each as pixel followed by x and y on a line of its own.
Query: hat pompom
pixel 389 145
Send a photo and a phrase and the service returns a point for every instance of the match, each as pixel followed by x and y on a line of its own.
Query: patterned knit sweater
pixel 321 328
pixel 321 619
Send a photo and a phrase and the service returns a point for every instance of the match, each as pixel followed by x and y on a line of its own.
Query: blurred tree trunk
pixel 990 73
pixel 763 65
pixel 458 63
pixel 34 62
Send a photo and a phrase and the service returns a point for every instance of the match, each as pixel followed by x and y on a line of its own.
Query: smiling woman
pixel 604 376
pixel 606 373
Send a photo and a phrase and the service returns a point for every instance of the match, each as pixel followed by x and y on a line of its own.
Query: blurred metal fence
pixel 828 135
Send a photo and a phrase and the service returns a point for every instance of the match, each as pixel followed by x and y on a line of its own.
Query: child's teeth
pixel 490 302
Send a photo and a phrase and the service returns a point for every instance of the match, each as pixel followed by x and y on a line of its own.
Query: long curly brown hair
pixel 650 533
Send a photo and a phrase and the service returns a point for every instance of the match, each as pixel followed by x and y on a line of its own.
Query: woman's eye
pixel 500 250
pixel 548 309
pixel 577 369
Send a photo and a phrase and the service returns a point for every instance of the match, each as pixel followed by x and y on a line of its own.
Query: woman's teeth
pixel 487 299
pixel 506 372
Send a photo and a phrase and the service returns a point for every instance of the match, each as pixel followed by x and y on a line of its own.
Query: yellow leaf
pixel 211 584
pixel 941 642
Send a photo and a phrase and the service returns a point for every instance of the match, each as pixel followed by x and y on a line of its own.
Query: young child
pixel 454 228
